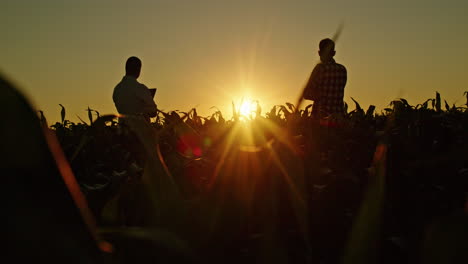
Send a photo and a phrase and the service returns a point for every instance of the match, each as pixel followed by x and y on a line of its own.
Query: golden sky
pixel 208 53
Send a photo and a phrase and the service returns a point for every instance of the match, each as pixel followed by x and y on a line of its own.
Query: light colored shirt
pixel 133 98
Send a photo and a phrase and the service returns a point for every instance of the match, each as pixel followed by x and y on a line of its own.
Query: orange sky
pixel 207 53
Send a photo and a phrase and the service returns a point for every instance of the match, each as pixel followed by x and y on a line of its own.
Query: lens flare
pixel 247 107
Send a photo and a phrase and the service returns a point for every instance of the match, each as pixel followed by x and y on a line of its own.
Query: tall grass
pixel 278 188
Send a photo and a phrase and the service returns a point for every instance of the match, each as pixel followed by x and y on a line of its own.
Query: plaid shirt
pixel 326 87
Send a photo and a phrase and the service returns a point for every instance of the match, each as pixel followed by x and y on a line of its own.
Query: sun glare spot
pixel 247 108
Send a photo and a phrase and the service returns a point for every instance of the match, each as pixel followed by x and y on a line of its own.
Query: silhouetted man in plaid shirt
pixel 326 83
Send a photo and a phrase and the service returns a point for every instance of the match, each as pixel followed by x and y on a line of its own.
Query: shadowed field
pixel 282 187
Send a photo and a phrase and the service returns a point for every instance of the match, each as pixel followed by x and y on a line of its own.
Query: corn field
pixel 274 187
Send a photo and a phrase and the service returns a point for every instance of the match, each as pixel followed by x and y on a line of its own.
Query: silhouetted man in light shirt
pixel 130 96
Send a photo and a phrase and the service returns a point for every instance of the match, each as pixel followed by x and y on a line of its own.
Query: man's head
pixel 327 49
pixel 133 67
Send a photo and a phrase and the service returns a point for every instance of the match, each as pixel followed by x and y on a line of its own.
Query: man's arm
pixel 148 104
pixel 311 91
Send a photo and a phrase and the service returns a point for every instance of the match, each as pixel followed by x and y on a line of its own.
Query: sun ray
pixel 296 185
pixel 227 148
pixel 278 133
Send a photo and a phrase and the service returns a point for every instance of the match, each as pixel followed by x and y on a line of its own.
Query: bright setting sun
pixel 247 107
